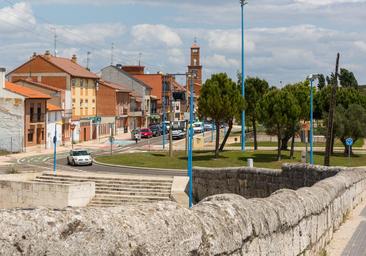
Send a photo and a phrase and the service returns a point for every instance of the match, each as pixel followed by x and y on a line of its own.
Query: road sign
pixel 349 142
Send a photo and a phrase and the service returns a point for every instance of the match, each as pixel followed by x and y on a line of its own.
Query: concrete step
pixel 105 178
pixel 127 189
pixel 135 192
pixel 111 197
pixel 104 184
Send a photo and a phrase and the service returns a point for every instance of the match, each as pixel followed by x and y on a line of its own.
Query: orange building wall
pixel 56 81
pixel 38 65
pixel 106 101
pixel 155 81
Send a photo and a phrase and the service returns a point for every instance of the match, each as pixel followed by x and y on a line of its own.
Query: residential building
pixel 80 86
pixel 114 107
pixel 23 116
pixel 140 98
pixel 54 125
pixel 57 100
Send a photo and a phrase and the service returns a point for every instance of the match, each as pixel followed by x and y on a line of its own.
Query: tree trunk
pixel 226 135
pixel 330 125
pixel 278 143
pixel 255 133
pixel 284 143
pixel 332 146
pixel 217 140
pixel 292 143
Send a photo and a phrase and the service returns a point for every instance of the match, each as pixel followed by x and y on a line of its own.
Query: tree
pixel 347 79
pixel 255 88
pixel 321 82
pixel 220 99
pixel 301 93
pixel 350 123
pixel 278 108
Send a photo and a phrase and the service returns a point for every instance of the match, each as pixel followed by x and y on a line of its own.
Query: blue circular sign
pixel 349 142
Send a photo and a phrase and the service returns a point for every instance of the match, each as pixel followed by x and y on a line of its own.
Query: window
pixel 195 50
pixel 30 135
pixel 81 82
pixel 81 103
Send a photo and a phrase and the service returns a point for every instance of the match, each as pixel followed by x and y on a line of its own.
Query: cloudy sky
pixel 285 39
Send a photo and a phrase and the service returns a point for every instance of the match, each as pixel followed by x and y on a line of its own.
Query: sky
pixel 285 40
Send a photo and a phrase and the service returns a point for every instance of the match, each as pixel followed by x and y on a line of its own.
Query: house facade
pixel 80 86
pixel 140 97
pixel 23 114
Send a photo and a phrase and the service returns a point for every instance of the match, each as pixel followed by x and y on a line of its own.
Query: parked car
pixel 156 130
pixel 146 133
pixel 208 126
pixel 178 134
pixel 79 157
pixel 198 127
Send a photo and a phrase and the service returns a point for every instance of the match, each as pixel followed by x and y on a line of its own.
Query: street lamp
pixel 311 78
pixel 190 141
pixel 242 3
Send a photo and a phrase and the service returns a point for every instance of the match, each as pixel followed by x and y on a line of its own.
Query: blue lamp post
pixel 311 78
pixel 190 142
pixel 242 3
pixel 54 149
pixel 164 125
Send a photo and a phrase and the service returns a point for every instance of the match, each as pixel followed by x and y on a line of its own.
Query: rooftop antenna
pixel 195 40
pixel 140 54
pixel 112 54
pixel 55 42
pixel 87 60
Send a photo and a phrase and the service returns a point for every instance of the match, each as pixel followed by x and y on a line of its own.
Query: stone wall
pixel 288 222
pixel 26 194
pixel 256 182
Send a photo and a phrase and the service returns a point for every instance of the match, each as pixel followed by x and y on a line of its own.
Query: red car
pixel 146 133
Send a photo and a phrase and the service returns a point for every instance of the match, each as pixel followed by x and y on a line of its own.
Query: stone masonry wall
pixel 289 222
pixel 256 182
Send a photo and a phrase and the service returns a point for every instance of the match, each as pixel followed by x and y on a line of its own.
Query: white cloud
pixel 361 45
pixel 218 62
pixel 228 41
pixel 149 33
pixel 16 18
pixel 328 2
pixel 176 56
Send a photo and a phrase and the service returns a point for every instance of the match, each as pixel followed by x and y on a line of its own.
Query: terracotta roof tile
pixel 40 85
pixel 51 107
pixel 118 87
pixel 70 67
pixel 26 92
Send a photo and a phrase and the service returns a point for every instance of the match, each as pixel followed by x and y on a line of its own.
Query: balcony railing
pixel 39 118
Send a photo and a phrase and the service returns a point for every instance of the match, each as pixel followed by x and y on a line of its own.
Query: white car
pixel 178 134
pixel 198 127
pixel 79 157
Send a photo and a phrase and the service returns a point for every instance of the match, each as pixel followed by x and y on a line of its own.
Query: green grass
pixel 264 159
pixel 3 153
pixel 338 143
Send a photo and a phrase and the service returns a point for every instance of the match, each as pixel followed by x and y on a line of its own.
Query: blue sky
pixel 285 39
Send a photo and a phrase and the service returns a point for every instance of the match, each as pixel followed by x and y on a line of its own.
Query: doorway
pixel 84 134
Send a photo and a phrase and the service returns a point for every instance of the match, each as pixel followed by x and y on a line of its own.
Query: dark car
pixel 146 133
pixel 156 130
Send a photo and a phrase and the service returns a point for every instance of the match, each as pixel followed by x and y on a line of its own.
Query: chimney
pixel 119 66
pixel 34 55
pixel 47 54
pixel 2 77
pixel 74 58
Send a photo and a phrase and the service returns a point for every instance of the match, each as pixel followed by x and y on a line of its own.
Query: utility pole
pixel 171 117
pixel 55 43
pixel 87 60
pixel 112 54
pixel 332 107
pixel 140 54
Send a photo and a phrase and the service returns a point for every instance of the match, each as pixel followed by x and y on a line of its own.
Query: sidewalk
pixel 349 239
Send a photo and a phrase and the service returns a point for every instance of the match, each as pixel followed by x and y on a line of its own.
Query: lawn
pixel 3 153
pixel 265 159
pixel 337 143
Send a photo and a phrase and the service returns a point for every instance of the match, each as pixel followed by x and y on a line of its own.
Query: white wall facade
pixel 54 118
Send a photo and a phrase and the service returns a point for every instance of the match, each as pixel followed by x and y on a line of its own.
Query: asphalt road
pixel 46 161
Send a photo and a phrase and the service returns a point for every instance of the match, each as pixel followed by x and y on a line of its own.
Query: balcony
pixel 38 118
pixel 135 113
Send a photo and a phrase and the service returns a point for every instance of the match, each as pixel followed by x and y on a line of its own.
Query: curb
pixel 137 167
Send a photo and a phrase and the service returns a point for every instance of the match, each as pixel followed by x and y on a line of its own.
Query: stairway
pixel 112 191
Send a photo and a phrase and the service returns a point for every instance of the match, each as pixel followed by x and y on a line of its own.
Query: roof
pixel 117 87
pixel 69 66
pixel 132 77
pixel 50 87
pixel 26 92
pixel 51 107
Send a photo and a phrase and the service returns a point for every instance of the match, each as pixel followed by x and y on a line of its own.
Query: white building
pixel 54 120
